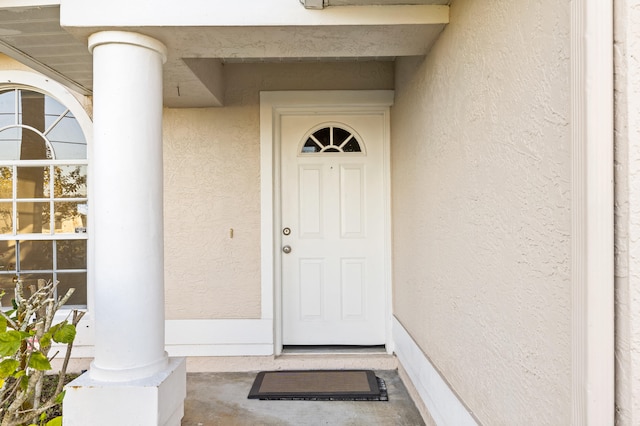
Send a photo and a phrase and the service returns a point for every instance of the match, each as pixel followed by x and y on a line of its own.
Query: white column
pixel 131 380
pixel 127 173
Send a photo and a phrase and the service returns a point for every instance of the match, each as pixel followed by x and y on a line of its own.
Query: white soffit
pixel 33 36
pixel 199 33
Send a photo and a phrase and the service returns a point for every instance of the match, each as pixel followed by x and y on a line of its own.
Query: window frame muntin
pixel 332 124
pixel 31 81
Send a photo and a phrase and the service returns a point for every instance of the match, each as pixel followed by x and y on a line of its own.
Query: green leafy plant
pixel 27 333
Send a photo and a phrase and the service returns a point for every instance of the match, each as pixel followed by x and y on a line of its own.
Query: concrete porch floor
pixel 221 399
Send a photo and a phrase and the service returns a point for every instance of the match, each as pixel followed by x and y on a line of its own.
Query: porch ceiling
pixel 31 32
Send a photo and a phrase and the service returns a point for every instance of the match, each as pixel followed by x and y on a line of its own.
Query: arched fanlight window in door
pixel 332 138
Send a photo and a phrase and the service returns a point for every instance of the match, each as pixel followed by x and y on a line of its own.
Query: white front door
pixel 332 236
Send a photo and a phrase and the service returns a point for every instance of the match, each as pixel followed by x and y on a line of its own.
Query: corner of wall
pixel 437 402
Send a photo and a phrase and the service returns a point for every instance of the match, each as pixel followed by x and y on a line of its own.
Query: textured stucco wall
pixel 627 210
pixel 7 63
pixel 481 172
pixel 212 184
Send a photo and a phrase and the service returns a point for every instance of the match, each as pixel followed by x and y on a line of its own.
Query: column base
pixel 152 401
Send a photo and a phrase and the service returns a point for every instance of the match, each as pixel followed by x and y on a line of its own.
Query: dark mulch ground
pixel 49 387
pixel 48 390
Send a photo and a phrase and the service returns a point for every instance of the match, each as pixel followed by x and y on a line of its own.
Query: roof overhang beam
pixel 81 16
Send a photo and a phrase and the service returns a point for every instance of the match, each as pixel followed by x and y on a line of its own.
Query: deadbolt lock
pixel 286 231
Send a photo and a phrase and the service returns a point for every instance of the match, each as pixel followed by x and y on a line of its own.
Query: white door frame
pixel 272 106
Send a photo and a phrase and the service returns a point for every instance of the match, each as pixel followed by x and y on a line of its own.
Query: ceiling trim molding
pixel 82 18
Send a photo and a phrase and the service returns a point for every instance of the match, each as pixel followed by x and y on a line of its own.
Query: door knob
pixel 286 249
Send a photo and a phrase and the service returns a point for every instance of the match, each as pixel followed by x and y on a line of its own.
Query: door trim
pixel 273 105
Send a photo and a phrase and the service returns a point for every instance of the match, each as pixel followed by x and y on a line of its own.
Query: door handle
pixel 286 249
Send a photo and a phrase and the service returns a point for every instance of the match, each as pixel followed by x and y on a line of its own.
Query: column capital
pixel 127 37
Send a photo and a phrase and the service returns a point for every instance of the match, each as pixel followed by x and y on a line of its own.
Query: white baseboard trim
pixel 443 404
pixel 200 338
pixel 218 350
pixel 219 332
pixel 219 337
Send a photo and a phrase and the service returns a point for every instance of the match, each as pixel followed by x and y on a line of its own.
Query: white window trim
pixel 28 80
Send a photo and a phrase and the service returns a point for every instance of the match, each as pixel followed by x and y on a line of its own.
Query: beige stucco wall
pixel 627 207
pixel 481 200
pixel 7 63
pixel 212 184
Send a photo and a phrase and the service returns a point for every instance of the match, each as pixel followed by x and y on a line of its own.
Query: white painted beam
pixel 6 4
pixel 123 13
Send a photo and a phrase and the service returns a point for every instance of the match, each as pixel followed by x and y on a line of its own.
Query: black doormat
pixel 319 385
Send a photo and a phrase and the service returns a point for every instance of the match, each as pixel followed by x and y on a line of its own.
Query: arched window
pixel 43 194
pixel 331 138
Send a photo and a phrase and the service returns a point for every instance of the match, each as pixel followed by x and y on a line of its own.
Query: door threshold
pixel 335 357
pixel 333 349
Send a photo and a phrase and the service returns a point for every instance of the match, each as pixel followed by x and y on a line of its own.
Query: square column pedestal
pixel 152 401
